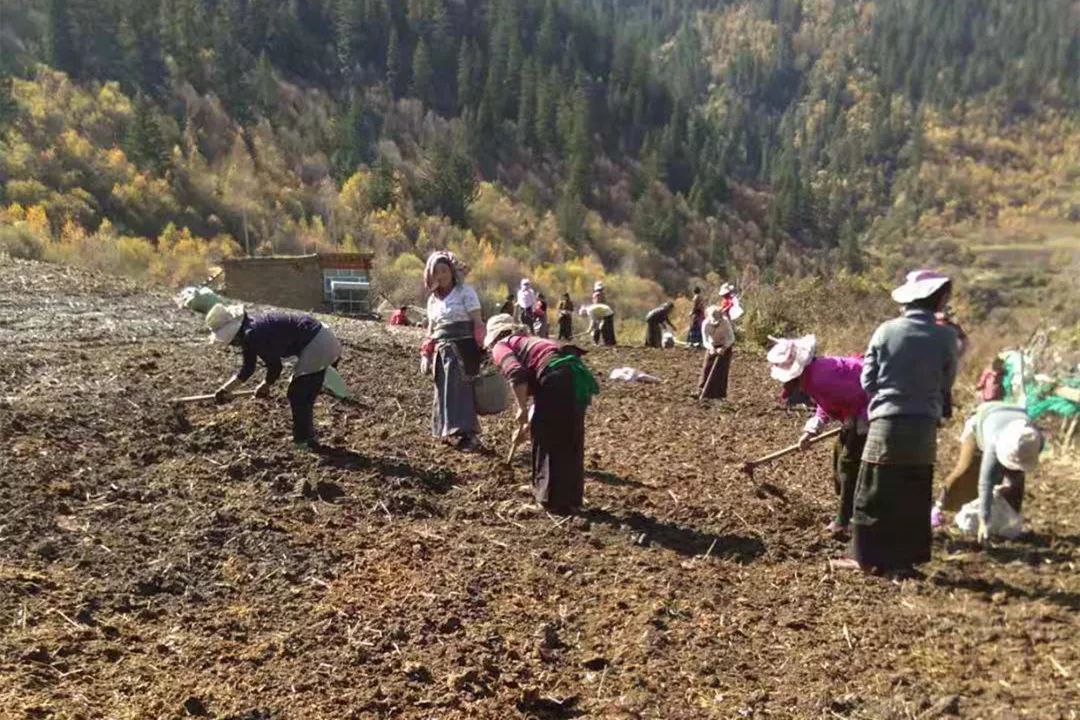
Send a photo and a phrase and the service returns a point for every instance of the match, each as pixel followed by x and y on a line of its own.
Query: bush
pixel 19 241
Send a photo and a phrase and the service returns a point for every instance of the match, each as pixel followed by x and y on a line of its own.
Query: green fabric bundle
pixel 585 385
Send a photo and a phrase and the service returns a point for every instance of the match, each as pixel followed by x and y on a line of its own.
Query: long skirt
pixel 653 335
pixel 847 459
pixel 962 484
pixel 891 518
pixel 693 335
pixel 454 407
pixel 558 442
pixel 566 327
pixel 714 384
pixel 605 332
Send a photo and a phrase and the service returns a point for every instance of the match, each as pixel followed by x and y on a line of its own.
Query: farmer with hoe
pixel 718 336
pixel 655 322
pixel 999 446
pixel 833 383
pixel 908 373
pixel 604 329
pixel 272 337
pixel 451 353
pixel 562 387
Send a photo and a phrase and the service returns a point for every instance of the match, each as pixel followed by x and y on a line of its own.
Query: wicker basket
pixel 490 393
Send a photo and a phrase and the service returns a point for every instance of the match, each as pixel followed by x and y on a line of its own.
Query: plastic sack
pixel 1004 521
pixel 736 310
pixel 198 299
pixel 629 374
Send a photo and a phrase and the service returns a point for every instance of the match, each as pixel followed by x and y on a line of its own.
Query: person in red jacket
pixel 991 382
pixel 400 316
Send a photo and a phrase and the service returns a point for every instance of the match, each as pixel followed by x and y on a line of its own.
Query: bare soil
pixel 161 563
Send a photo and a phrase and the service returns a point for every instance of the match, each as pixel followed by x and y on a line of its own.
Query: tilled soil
pixel 161 563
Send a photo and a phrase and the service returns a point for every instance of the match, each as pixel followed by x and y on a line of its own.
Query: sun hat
pixel 726 289
pixel 598 285
pixel 1018 446
pixel 525 281
pixel 919 285
pixel 500 325
pixel 789 357
pixel 224 322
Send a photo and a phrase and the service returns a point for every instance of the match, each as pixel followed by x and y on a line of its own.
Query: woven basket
pixel 490 393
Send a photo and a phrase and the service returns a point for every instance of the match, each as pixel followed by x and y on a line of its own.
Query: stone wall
pixel 292 282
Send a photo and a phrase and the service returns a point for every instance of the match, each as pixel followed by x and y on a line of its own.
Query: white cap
pixel 1018 446
pixel 224 322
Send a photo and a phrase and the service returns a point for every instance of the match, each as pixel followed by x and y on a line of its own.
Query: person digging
pixel 271 338
pixel 833 383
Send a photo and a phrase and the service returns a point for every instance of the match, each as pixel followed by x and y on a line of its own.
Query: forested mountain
pixel 659 139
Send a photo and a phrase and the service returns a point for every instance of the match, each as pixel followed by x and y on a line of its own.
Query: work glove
pixel 983 534
pixel 804 441
pixel 222 396
pixel 262 391
pixel 426 366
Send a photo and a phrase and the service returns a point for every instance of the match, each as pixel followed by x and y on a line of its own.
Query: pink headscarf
pixel 456 266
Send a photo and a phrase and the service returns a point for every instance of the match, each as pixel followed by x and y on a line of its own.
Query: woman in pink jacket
pixel 833 383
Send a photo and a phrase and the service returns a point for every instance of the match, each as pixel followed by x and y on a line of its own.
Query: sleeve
pixel 869 377
pixel 950 378
pixel 248 368
pixel 817 423
pixel 508 363
pixel 706 335
pixel 470 299
pixel 987 471
pixel 273 370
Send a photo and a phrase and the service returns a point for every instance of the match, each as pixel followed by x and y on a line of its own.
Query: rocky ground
pixel 158 562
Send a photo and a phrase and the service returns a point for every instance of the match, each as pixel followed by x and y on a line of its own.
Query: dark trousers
pixel 605 332
pixel 558 442
pixel 302 393
pixel 566 327
pixel 847 459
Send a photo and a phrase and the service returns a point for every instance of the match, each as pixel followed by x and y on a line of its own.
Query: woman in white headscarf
pixel 718 337
pixel 452 351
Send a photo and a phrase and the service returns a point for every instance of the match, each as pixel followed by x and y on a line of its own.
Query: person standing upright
pixel 908 373
pixel 452 351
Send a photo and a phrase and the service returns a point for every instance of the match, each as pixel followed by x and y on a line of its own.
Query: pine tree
pixel 466 91
pixel 393 64
pixel 579 146
pixel 62 53
pixel 547 38
pixel 546 111
pixel 146 143
pixel 380 192
pixel 265 86
pixel 526 112
pixel 8 108
pixel 422 73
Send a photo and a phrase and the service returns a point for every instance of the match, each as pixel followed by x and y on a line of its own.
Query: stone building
pixel 324 282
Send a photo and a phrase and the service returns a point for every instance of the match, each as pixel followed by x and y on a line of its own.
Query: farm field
pixel 163 562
